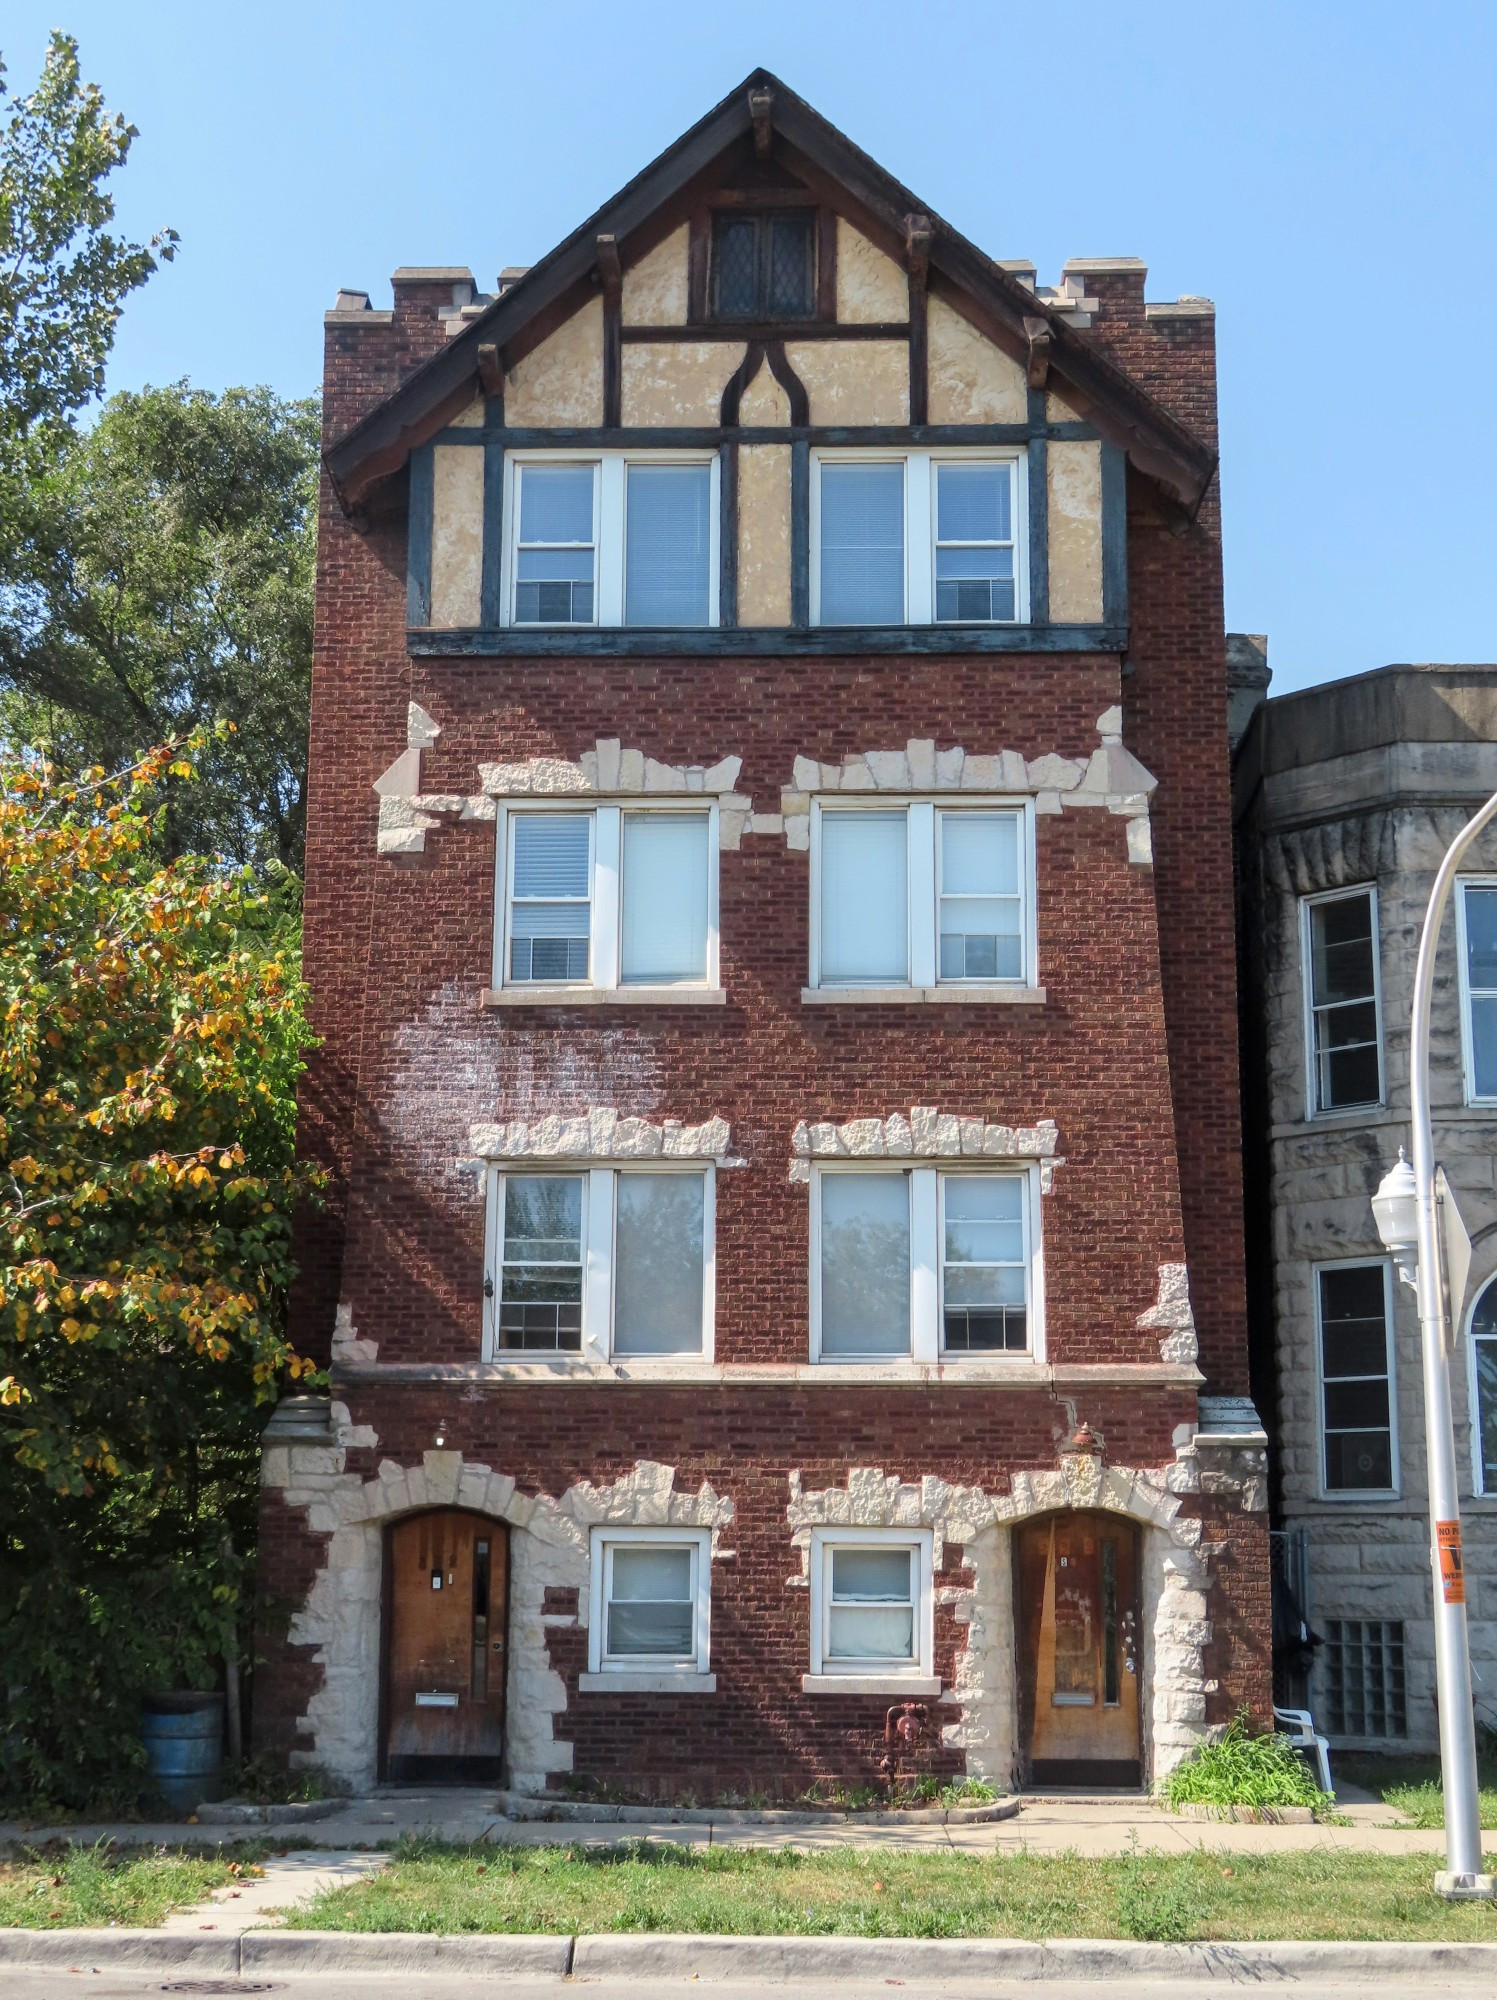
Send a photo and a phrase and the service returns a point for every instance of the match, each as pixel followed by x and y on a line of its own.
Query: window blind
pixel 664 898
pixel 658 1263
pixel 862 543
pixel 865 1264
pixel 864 898
pixel 668 545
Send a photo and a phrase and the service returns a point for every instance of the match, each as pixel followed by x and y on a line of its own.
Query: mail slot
pixel 436 1701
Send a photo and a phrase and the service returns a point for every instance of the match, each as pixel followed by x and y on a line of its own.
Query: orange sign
pixel 1452 1570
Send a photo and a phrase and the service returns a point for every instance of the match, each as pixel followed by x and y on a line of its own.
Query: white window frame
pixel 923 815
pixel 1468 1040
pixel 920 1541
pixel 607 895
pixel 920 465
pixel 640 1665
pixel 1355 1495
pixel 927 1328
pixel 599 1229
pixel 1307 904
pixel 1479 1485
pixel 610 486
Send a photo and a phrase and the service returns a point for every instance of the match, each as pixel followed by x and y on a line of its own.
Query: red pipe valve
pixel 904 1723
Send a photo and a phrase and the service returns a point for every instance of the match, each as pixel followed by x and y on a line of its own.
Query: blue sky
pixel 1327 172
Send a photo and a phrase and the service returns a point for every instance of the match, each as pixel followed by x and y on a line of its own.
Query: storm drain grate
pixel 220 1986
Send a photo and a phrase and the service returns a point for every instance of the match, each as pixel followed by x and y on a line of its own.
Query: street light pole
pixel 1462 1876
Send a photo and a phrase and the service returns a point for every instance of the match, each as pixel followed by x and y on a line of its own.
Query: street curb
pixel 658 1956
pixel 120 1950
pixel 517 1954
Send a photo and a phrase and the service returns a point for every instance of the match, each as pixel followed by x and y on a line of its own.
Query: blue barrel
pixel 183 1735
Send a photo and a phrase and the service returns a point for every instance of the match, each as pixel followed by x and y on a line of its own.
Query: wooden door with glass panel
pixel 446 1580
pixel 1078 1644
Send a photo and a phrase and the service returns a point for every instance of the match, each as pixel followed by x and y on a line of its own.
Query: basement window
pixel 1364 1677
pixel 651 1601
pixel 871 1605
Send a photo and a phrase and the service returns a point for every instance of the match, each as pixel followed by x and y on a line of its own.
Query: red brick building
pixel 769 920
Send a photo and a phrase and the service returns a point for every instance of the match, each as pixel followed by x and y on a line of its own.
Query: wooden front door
pixel 446 1591
pixel 1078 1646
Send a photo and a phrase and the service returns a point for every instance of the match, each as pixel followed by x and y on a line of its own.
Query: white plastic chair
pixel 1299 1726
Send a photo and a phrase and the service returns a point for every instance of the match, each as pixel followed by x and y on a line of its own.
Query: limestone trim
pixel 1111 778
pixel 600 1133
pixel 994 1372
pixel 926 1134
pixel 1171 1317
pixel 549 1547
pixel 608 770
pixel 1174 1585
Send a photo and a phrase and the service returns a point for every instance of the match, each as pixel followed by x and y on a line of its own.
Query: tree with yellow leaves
pixel 151 1033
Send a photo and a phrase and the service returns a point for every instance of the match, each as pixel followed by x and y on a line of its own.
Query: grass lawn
pixel 639 1886
pixel 99 1886
pixel 1411 1785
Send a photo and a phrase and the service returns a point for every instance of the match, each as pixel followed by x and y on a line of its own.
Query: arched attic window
pixel 1484 1386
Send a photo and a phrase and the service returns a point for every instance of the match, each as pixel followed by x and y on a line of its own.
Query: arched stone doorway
pixel 1077 1636
pixel 445 1640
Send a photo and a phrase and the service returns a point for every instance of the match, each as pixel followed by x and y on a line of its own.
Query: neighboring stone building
pixel 769 918
pixel 1347 798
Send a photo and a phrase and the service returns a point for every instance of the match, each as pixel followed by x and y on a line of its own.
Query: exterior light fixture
pixel 1395 1209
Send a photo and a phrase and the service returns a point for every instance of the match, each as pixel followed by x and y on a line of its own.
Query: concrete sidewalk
pixel 1043 1825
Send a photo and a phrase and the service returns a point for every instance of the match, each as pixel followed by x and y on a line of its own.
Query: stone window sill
pixel 896 1685
pixel 949 996
pixel 603 996
pixel 622 1683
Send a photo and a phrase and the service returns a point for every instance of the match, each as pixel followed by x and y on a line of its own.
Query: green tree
pixel 162 578
pixel 151 1034
pixel 63 273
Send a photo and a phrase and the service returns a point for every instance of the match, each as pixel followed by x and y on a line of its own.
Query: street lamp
pixel 1404 1209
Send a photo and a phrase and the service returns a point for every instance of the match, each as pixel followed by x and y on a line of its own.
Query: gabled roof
pixel 826 159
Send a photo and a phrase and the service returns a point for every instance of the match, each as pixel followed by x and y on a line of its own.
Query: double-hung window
pixel 923 1263
pixel 608 1262
pixel 871 1603
pixel 611 538
pixel 1342 1000
pixel 1476 910
pixel 1358 1416
pixel 922 895
pixel 608 897
pixel 650 1602
pixel 919 538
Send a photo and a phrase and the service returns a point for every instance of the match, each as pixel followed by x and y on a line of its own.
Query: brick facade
pixel 1132 1054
